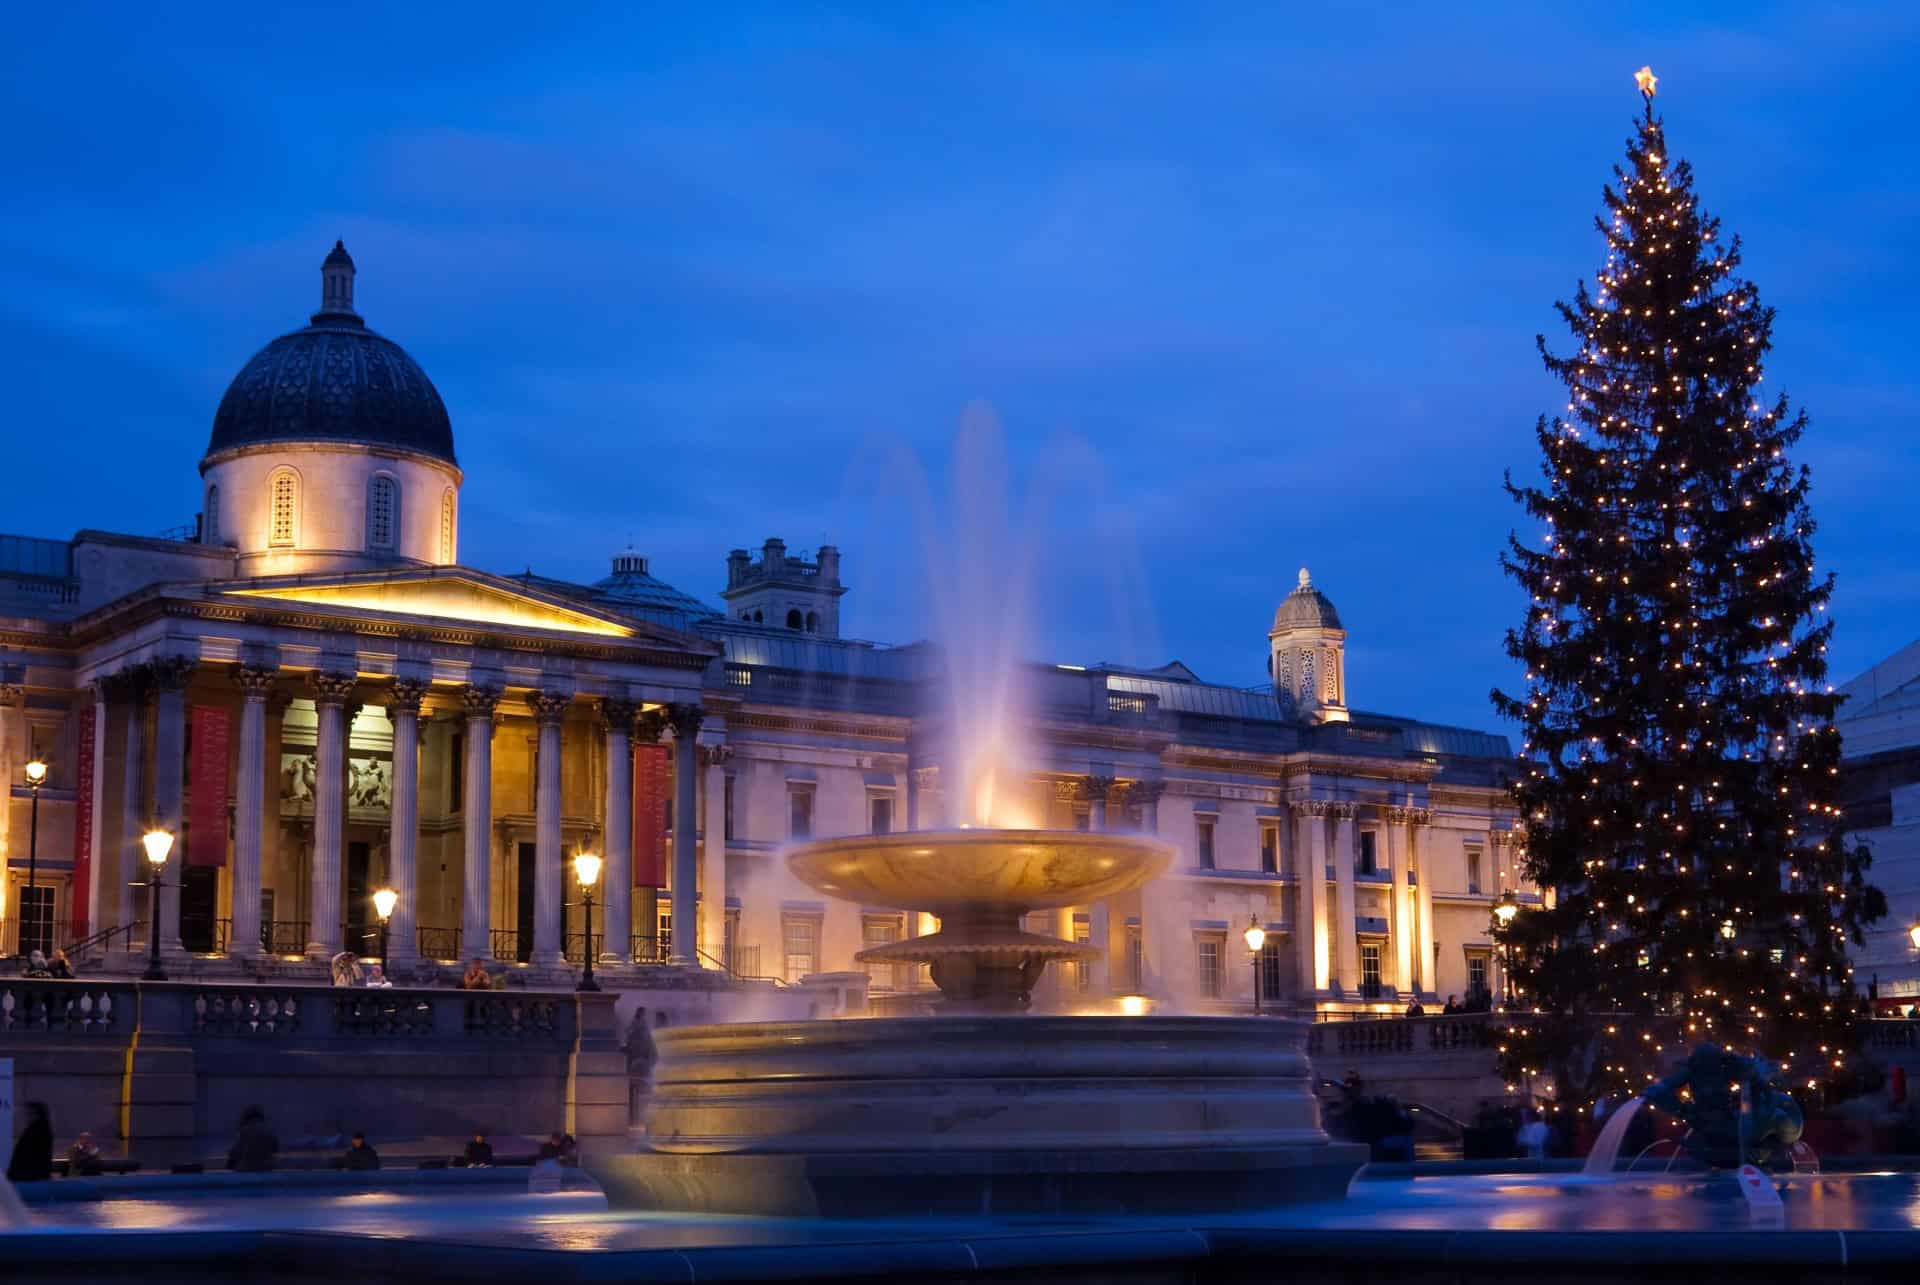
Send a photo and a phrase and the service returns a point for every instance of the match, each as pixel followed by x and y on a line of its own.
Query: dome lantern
pixel 1307 654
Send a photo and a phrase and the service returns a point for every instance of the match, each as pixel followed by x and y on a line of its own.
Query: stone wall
pixel 160 1071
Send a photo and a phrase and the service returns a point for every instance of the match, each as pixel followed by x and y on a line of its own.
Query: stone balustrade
pixel 167 1067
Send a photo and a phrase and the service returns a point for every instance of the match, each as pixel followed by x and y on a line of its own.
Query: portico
pixel 345 746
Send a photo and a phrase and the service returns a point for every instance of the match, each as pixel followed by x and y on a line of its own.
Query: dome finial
pixel 336 284
pixel 1306 581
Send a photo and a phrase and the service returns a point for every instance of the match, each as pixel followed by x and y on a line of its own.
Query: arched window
pixel 813 622
pixel 383 512
pixel 446 525
pixel 793 618
pixel 759 617
pixel 210 528
pixel 283 523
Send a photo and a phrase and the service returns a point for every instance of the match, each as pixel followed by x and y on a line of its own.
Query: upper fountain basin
pixel 955 871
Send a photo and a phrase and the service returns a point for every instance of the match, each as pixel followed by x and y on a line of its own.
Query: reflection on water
pixel 579 1221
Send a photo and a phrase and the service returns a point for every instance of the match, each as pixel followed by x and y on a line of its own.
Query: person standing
pixel 360 1156
pixel 254 1145
pixel 33 1152
pixel 479 1151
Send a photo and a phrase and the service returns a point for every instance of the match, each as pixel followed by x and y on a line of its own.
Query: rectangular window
pixel 1082 971
pixel 801 935
pixel 880 814
pixel 1270 849
pixel 1210 947
pixel 285 491
pixel 881 930
pixel 457 772
pixel 727 808
pixel 800 814
pixel 1473 870
pixel 1203 841
pixel 36 918
pixel 1369 852
pixel 1477 977
pixel 1272 979
pixel 1370 970
pixel 1136 960
pixel 1082 819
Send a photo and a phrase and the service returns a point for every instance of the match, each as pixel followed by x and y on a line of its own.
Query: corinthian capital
pixel 616 715
pixel 479 699
pixel 550 704
pixel 405 695
pixel 715 755
pixel 171 673
pixel 1313 807
pixel 685 719
pixel 255 681
pixel 331 688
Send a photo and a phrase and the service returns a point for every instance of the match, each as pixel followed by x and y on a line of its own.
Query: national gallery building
pixel 317 699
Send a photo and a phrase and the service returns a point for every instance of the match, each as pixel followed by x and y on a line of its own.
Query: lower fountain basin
pixel 982 1115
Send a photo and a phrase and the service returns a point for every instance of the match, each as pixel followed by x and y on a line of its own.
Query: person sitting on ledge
pixel 83 1158
pixel 476 978
pixel 359 1155
pixel 254 1145
pixel 1451 1008
pixel 377 978
pixel 37 965
pixel 1416 1009
pixel 479 1151
pixel 58 967
pixel 346 969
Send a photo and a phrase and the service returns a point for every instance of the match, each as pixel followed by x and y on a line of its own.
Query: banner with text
pixel 83 828
pixel 652 786
pixel 207 787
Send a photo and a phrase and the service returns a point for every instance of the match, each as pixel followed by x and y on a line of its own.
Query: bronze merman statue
pixel 1737 1107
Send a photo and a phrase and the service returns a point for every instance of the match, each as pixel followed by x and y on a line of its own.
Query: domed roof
pixel 334 380
pixel 1306 608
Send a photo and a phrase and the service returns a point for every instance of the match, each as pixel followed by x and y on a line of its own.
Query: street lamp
pixel 586 868
pixel 1913 934
pixel 158 843
pixel 1256 937
pixel 1503 912
pixel 36 777
pixel 383 903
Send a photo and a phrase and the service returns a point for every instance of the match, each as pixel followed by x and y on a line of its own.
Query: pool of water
pixel 581 1221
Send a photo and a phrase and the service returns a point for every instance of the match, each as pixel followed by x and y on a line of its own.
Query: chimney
pixel 738 560
pixel 829 565
pixel 773 558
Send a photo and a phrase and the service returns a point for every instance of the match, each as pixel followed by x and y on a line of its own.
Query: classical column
pixel 476 802
pixel 1158 938
pixel 685 720
pixel 1346 854
pixel 171 676
pixel 549 709
pixel 12 730
pixel 134 817
pixel 1426 964
pixel 330 694
pixel 1310 932
pixel 98 854
pixel 1099 913
pixel 249 808
pixel 616 720
pixel 713 852
pixel 403 839
pixel 1400 900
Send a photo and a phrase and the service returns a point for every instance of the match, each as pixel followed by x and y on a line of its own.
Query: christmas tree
pixel 1679 777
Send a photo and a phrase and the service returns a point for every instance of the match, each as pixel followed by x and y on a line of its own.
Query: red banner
pixel 83 827
pixel 207 788
pixel 652 782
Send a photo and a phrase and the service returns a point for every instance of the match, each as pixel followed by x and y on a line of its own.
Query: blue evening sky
pixel 1248 287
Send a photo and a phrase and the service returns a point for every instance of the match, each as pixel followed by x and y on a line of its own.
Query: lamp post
pixel 36 777
pixel 586 868
pixel 158 844
pixel 1503 912
pixel 383 903
pixel 1913 934
pixel 1256 937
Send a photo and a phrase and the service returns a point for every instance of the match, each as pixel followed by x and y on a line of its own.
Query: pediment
pixel 444 596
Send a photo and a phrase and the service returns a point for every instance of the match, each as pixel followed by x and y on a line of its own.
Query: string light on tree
pixel 1679 765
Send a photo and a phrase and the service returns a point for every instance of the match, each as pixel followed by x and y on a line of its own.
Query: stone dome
pixel 334 380
pixel 1305 608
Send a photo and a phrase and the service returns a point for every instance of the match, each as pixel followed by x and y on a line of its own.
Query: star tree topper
pixel 1646 80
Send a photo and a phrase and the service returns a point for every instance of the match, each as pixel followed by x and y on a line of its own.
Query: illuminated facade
pixel 316 696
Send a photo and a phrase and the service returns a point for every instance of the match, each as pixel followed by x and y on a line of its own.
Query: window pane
pixel 1209 949
pixel 1205 844
pixel 801 809
pixel 802 938
pixel 1269 849
pixel 880 814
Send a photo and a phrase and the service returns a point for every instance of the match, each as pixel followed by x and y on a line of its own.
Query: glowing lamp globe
pixel 36 772
pixel 383 903
pixel 1505 909
pixel 159 844
pixel 586 868
pixel 1256 936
